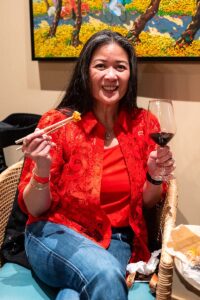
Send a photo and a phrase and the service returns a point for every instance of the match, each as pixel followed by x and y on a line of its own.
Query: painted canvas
pixel 158 29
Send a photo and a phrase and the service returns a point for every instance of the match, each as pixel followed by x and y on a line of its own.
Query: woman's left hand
pixel 161 164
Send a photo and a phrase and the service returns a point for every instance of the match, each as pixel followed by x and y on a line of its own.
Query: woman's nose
pixel 111 73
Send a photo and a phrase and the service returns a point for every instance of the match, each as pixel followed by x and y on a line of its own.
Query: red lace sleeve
pixel 47 119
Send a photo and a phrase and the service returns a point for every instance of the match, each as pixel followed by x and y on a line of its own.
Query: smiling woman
pixel 85 208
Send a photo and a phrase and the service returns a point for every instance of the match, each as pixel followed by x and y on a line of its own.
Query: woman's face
pixel 109 73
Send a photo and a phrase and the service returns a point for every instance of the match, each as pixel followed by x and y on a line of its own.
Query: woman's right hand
pixel 37 146
pixel 161 163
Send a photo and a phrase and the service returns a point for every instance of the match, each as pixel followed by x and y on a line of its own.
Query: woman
pixel 84 186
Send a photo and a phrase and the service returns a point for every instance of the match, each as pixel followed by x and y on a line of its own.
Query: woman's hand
pixel 37 146
pixel 161 164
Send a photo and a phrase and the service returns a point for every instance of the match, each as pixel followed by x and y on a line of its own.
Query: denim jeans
pixel 80 268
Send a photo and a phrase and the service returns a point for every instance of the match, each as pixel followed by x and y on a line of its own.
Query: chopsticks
pixel 51 128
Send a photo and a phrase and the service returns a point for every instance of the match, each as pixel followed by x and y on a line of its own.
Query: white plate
pixel 178 262
pixel 178 265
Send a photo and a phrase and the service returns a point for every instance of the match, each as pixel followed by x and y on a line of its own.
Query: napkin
pixel 184 244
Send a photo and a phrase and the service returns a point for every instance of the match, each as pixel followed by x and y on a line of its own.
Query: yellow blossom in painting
pixel 39 8
pixel 95 5
pixel 178 6
pixel 152 46
pixel 165 7
pixel 165 47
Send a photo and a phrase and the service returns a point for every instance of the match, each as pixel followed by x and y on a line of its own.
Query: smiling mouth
pixel 109 88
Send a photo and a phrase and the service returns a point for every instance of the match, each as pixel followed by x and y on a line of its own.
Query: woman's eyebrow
pixel 104 60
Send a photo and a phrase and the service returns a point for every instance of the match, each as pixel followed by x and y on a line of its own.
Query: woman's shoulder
pixel 51 116
pixel 139 111
pixel 138 114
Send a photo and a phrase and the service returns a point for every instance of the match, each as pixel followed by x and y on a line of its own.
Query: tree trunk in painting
pixel 77 26
pixel 188 35
pixel 140 22
pixel 47 4
pixel 58 7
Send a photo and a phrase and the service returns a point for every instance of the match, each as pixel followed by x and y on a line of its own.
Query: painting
pixel 158 29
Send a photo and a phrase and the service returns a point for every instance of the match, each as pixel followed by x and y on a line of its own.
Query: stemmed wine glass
pixel 162 131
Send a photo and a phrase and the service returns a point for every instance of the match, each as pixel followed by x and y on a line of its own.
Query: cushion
pixel 18 283
pixel 140 291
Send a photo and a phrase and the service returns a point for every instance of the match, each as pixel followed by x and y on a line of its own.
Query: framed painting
pixel 158 29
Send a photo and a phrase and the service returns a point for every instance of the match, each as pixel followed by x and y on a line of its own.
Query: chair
pixel 14 127
pixel 20 280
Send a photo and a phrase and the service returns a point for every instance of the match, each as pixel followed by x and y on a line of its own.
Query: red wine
pixel 161 138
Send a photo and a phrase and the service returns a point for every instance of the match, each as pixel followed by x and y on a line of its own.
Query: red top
pixel 76 175
pixel 115 187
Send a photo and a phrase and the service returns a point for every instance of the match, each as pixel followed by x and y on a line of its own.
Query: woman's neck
pixel 106 115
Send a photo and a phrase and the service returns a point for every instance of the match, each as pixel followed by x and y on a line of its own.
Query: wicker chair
pixel 8 185
pixel 9 179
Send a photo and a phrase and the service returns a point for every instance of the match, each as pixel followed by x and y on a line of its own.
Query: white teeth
pixel 110 88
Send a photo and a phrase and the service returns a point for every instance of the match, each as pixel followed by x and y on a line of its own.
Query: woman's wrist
pixel 152 180
pixel 38 186
pixel 40 179
pixel 42 170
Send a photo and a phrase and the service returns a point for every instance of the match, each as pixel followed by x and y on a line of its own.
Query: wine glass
pixel 162 131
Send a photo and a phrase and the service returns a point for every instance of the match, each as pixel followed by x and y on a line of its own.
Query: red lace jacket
pixel 76 175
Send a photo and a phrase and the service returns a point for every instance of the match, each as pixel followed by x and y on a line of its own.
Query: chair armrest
pixel 9 179
pixel 165 272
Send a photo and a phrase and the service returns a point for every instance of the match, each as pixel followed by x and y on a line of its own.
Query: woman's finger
pixel 31 145
pixel 164 158
pixel 37 133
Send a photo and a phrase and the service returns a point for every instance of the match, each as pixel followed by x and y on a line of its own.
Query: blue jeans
pixel 78 267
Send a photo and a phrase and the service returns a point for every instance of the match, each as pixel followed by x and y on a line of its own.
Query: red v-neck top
pixel 115 187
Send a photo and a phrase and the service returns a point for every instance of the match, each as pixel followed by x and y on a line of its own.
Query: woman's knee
pixel 110 275
pixel 107 283
pixel 68 294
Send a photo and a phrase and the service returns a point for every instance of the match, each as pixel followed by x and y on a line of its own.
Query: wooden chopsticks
pixel 51 128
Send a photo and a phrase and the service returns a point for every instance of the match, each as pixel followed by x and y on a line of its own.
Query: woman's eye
pixel 100 66
pixel 121 67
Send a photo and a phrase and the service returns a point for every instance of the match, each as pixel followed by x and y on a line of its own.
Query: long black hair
pixel 77 95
